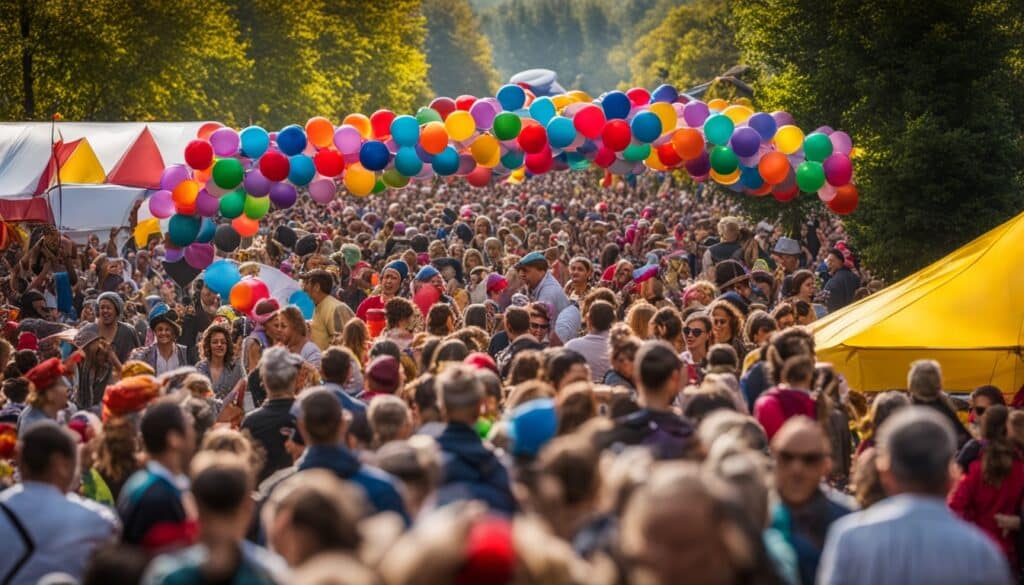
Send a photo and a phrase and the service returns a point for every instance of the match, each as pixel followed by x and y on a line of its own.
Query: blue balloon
pixel 616 105
pixel 221 276
pixel 513 159
pixel 542 109
pixel 374 155
pixel 255 141
pixel 407 161
pixel 765 125
pixel 511 97
pixel 291 140
pixel 751 178
pixel 646 126
pixel 207 229
pixel 301 170
pixel 745 141
pixel 405 130
pixel 305 304
pixel 561 132
pixel 446 162
pixel 664 93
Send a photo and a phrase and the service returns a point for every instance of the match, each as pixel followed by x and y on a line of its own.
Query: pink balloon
pixel 161 205
pixel 347 139
pixel 841 142
pixel 322 190
pixel 826 193
pixel 207 205
pixel 199 256
pixel 225 142
pixel 173 175
pixel 173 254
pixel 838 170
pixel 483 114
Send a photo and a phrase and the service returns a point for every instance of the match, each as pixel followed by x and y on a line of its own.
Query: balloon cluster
pixel 231 179
pixel 243 292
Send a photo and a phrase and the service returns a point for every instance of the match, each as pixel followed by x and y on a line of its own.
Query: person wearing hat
pixel 258 339
pixel 542 286
pixel 97 370
pixel 383 376
pixel 842 281
pixel 121 336
pixel 164 354
pixel 391 279
pixel 730 275
pixel 786 254
pixel 48 393
pixel 329 314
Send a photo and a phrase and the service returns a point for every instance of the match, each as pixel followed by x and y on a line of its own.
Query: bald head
pixel 802 460
pixel 799 433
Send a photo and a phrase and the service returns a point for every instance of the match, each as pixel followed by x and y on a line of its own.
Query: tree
pixel 932 93
pixel 458 52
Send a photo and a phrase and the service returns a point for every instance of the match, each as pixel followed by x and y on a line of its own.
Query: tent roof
pixel 966 311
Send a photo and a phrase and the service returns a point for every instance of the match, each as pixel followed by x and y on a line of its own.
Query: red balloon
pixel 639 96
pixel 616 135
pixel 479 177
pixel 464 102
pixel 443 106
pixel 589 121
pixel 329 163
pixel 380 121
pixel 199 154
pixel 604 158
pixel 245 226
pixel 274 165
pixel 845 201
pixel 259 289
pixel 785 194
pixel 539 163
pixel 761 191
pixel 534 138
pixel 668 156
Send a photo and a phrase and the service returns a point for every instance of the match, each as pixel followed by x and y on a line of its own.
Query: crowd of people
pixel 544 382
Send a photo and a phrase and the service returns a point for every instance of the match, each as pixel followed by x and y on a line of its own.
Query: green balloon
pixel 425 114
pixel 232 204
pixel 507 126
pixel 395 179
pixel 379 186
pixel 228 173
pixel 718 129
pixel 513 159
pixel 810 176
pixel 817 147
pixel 255 207
pixel 723 160
pixel 635 152
pixel 183 229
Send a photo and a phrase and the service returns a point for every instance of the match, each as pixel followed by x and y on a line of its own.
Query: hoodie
pixel 378 485
pixel 472 471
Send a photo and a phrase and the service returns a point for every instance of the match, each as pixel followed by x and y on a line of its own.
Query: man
pixel 924 383
pixel 165 354
pixel 804 511
pixel 222 486
pixel 471 470
pixel 390 283
pixel 198 316
pixel 330 315
pixel 383 377
pixel 594 345
pixel 430 276
pixel 151 503
pixel 45 528
pixel 731 276
pixel 727 248
pixel 659 374
pixel 119 334
pixel 912 536
pixel 271 423
pixel 842 282
pixel 542 286
pixel 786 254
pixel 335 370
pixel 517 326
pixel 322 426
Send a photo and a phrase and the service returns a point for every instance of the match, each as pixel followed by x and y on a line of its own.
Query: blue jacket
pixel 379 486
pixel 472 471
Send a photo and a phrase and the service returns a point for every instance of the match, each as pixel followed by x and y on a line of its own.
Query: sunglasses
pixel 979 410
pixel 693 331
pixel 540 326
pixel 808 459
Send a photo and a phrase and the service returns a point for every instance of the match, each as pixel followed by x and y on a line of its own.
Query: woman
pixel 290 331
pixel 581 271
pixel 165 353
pixel 96 371
pixel 472 258
pixel 355 337
pixel 540 322
pixel 89 311
pixel 993 485
pixel 116 456
pixel 802 286
pixel 399 316
pixel 667 325
pixel 253 344
pixel 48 394
pixel 218 360
pixel 882 407
pixel 757 331
pixel 622 348
pixel 727 326
pixel 495 252
pixel 638 318
pixel 697 332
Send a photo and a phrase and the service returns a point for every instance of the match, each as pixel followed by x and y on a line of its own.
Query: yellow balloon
pixel 460 125
pixel 358 180
pixel 144 230
pixel 789 139
pixel 718 104
pixel 738 114
pixel 654 161
pixel 667 114
pixel 486 151
pixel 744 102
pixel 580 96
pixel 561 101
pixel 729 179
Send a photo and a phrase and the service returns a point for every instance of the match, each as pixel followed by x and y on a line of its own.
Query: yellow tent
pixel 966 311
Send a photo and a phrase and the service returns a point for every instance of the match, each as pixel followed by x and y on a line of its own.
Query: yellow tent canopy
pixel 966 311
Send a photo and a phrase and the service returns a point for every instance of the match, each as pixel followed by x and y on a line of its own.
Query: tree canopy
pixel 457 50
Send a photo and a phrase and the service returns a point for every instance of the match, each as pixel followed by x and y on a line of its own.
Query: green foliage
pixel 458 52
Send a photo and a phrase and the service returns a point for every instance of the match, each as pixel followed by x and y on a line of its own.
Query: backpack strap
pixel 30 545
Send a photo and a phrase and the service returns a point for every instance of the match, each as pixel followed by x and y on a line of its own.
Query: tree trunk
pixel 27 80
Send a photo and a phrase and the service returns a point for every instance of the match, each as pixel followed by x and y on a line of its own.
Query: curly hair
pixel 437 319
pixel 732 314
pixel 205 349
pixel 115 453
pixel 397 310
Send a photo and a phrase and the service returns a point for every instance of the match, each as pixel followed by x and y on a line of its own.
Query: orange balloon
pixel 361 123
pixel 434 137
pixel 688 142
pixel 774 168
pixel 320 131
pixel 208 128
pixel 245 226
pixel 718 104
pixel 202 176
pixel 184 195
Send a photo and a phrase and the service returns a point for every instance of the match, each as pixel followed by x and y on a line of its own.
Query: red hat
pixel 490 553
pixel 131 394
pixel 481 361
pixel 48 372
pixel 28 340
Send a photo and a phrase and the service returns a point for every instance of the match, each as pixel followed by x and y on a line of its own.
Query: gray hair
pixel 925 378
pixel 279 368
pixel 458 387
pixel 919 443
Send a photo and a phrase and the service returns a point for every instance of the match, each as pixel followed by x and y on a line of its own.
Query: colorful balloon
pixel 688 142
pixel 374 155
pixel 616 135
pixel 507 126
pixel 810 176
pixel 320 131
pixel 405 130
pixel 224 142
pixel 589 121
pixel 434 137
pixel 380 123
pixel 446 162
pixel 291 140
pixel 161 204
pixel 199 154
pixel 460 125
pixel 723 160
pixel 789 139
pixel 533 138
pixel 718 129
pixel 764 124
pixel 773 168
pixel 255 141
pixel 274 166
pixel 511 97
pixel 838 170
pixel 283 195
pixel 301 170
pixel 846 200
pixel 183 229
pixel 645 126
pixel 329 163
pixel 817 147
pixel 358 180
pixel 232 204
pixel 322 191
pixel 256 207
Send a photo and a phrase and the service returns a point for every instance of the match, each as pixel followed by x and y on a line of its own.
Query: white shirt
pixel 164 366
pixel 594 347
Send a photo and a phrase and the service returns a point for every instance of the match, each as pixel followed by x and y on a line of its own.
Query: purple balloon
pixel 764 124
pixel 826 130
pixel 173 254
pixel 783 118
pixel 838 169
pixel 323 190
pixel 207 205
pixel 161 204
pixel 347 139
pixel 694 113
pixel 745 141
pixel 426 172
pixel 466 164
pixel 225 142
pixel 199 256
pixel 283 195
pixel 425 157
pixel 483 114
pixel 256 184
pixel 172 176
pixel 699 166
pixel 841 142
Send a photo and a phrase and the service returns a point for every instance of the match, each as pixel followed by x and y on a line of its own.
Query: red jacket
pixel 776 406
pixel 978 502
